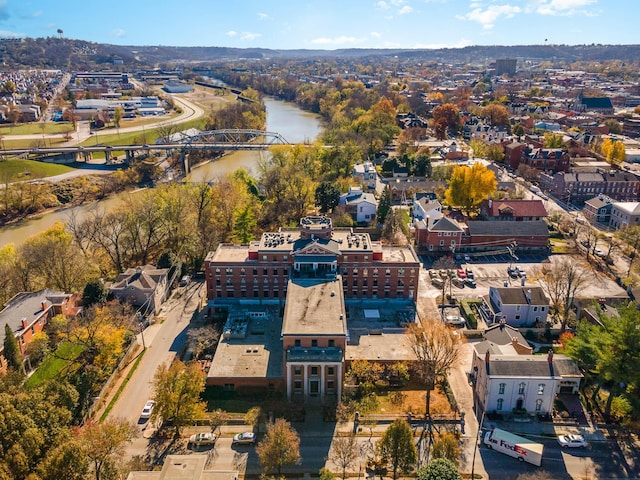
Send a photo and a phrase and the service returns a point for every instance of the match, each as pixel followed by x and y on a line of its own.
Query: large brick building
pixel 286 298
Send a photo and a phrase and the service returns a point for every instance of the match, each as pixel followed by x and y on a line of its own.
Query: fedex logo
pixel 515 448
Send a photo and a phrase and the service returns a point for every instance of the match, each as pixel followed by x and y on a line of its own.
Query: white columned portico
pixel 305 381
pixel 322 369
pixel 289 380
pixel 339 381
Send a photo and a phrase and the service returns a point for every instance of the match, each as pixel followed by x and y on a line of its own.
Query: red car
pixel 462 273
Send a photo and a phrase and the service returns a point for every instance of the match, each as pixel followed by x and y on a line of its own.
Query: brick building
pixel 286 296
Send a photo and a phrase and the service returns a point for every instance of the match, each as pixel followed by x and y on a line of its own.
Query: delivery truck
pixel 515 446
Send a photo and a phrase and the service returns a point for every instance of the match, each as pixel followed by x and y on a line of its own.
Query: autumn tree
pixel 218 418
pixel 66 461
pixel 255 416
pixel 397 445
pixel 447 115
pixel 553 140
pixel 104 443
pixel 345 453
pixel 395 229
pixel 479 148
pixel 244 225
pixel 613 151
pixel 437 349
pixel 447 446
pixel 279 447
pixel 631 236
pixel 468 186
pixel 495 153
pixel 563 281
pixel 495 114
pixel 118 113
pixel 439 469
pixel 178 388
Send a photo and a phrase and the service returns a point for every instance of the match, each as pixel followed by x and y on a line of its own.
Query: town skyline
pixel 329 25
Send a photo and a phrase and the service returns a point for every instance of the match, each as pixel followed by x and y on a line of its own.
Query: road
pixel 163 340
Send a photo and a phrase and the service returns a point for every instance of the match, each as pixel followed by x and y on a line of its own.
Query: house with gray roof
pixel 486 236
pixel 27 313
pixel 360 205
pixel 624 214
pixel 598 209
pixel 504 382
pixel 522 306
pixel 146 287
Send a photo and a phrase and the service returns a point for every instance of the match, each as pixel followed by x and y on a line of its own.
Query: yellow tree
pixel 613 151
pixel 468 186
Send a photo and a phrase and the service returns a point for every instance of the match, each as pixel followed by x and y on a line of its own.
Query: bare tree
pixel 563 281
pixel 202 339
pixel 345 453
pixel 437 349
pixel 445 263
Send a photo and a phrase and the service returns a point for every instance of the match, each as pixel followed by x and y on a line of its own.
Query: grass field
pixel 18 170
pixel 53 366
pixel 36 128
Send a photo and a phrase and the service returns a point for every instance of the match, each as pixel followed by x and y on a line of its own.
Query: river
pixel 294 124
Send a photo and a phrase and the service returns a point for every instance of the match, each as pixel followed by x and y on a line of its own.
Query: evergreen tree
pixel 11 349
pixel 397 445
pixel 94 293
pixel 327 196
pixel 384 205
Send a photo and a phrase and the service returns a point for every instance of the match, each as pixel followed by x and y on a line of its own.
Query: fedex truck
pixel 515 446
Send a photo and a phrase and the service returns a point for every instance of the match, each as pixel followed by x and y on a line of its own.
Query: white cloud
pixel 118 33
pixel 263 16
pixel 375 35
pixel 561 7
pixel 231 33
pixel 37 13
pixel 383 5
pixel 336 40
pixel 404 10
pixel 8 34
pixel 249 35
pixel 488 17
pixel 459 44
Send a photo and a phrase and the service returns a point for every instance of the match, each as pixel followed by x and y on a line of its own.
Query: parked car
pixel 202 439
pixel 470 273
pixel 458 282
pixel 437 282
pixel 467 258
pixel 599 253
pixel 470 282
pixel 184 281
pixel 572 441
pixel 513 271
pixel 521 272
pixel 433 273
pixel 461 273
pixel 147 410
pixel 454 320
pixel 244 438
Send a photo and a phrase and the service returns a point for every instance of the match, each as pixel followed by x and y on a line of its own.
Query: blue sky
pixel 326 24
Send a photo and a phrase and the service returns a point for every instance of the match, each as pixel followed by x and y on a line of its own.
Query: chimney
pixel 490 201
pixel 44 306
pixel 550 357
pixel 529 296
pixel 487 361
pixel 24 323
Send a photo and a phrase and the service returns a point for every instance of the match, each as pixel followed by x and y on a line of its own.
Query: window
pixel 229 387
pixel 499 404
pixel 538 405
pixel 297 370
pixel 330 386
pixel 297 342
pixel 314 343
pixel 297 385
pixel 314 370
pixel 275 271
pixel 229 271
pixel 331 370
pixel 535 309
pixel 517 317
pixel 332 343
pixel 521 388
pixel 501 388
pixel 442 243
pixel 388 272
pixel 540 388
pixel 242 271
pixel 265 272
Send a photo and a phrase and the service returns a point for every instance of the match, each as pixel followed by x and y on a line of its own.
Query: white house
pixel 624 214
pixel 367 172
pixel 523 306
pixel 426 205
pixel 360 205
pixel 505 381
pixel 145 287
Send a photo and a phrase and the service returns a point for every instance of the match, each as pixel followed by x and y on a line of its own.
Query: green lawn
pixel 17 170
pixel 112 137
pixel 36 127
pixel 57 362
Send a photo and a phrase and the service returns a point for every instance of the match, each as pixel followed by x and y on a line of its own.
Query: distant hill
pixel 53 52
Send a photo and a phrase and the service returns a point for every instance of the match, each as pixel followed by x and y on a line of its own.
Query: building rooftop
pixel 256 355
pixel 518 295
pixel 315 307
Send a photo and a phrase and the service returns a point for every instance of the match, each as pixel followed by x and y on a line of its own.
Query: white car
pixel 202 439
pixel 575 441
pixel 454 320
pixel 148 409
pixel 244 438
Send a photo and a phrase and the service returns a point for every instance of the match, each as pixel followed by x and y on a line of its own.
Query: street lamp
pixel 144 346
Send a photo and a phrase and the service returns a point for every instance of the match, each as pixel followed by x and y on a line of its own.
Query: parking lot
pixel 492 271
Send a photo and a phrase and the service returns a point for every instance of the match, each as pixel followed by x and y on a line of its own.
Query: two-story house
pixel 360 205
pixel 624 214
pixel 145 287
pixel 598 210
pixel 367 172
pixel 27 313
pixel 523 306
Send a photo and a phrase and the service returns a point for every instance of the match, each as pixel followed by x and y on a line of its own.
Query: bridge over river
pixel 229 139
